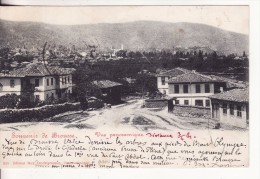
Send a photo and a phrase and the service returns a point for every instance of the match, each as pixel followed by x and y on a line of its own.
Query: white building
pixel 164 77
pixel 38 81
pixel 231 107
pixel 193 89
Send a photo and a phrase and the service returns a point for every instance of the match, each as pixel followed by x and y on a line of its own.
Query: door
pixel 170 105
pixel 215 111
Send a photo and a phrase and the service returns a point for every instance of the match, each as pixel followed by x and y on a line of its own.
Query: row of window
pixel 197 102
pixel 64 80
pixel 232 110
pixel 186 88
pixel 52 94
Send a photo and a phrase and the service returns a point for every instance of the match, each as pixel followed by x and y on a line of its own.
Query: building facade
pixel 38 82
pixel 193 89
pixel 111 91
pixel 231 107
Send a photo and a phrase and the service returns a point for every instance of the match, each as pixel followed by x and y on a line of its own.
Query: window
pixel 177 102
pixel 68 79
pixel 52 95
pixel 163 80
pixel 207 88
pixel 51 81
pixel 224 108
pixel 198 102
pixel 57 81
pixel 47 96
pixel 48 82
pixel 37 97
pixel 231 108
pixel 37 82
pixel 65 80
pixel 62 80
pixel 176 88
pixel 239 109
pixel 185 89
pixel 207 102
pixel 186 102
pixel 1 87
pixel 198 88
pixel 12 84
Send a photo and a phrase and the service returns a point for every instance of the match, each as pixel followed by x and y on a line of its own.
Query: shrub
pixel 36 114
pixel 9 101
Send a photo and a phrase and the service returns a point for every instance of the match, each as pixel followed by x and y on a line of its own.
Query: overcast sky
pixel 232 18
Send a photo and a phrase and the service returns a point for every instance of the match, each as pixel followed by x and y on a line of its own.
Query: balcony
pixel 28 88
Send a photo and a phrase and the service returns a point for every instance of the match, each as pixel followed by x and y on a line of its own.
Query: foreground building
pixel 110 90
pixel 193 89
pixel 231 107
pixel 38 82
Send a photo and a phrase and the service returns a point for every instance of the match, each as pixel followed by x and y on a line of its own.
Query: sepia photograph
pixel 124 86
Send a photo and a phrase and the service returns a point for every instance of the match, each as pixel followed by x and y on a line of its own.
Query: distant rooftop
pixel 236 95
pixel 106 84
pixel 174 72
pixel 39 69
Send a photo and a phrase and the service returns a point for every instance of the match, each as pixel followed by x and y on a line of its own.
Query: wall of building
pixel 192 101
pixel 46 90
pixel 7 88
pixel 191 90
pixel 162 88
pixel 233 120
pixel 43 90
pixel 191 96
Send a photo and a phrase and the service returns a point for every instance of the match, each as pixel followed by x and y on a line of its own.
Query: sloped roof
pixel 193 77
pixel 39 69
pixel 174 72
pixel 106 84
pixel 231 82
pixel 236 95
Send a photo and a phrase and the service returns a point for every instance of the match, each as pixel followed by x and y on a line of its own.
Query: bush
pixel 36 114
pixel 97 103
pixel 9 101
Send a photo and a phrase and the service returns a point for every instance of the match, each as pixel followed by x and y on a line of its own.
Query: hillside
pixel 133 35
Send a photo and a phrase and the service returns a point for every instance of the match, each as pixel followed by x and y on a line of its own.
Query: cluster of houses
pixel 227 99
pixel 38 81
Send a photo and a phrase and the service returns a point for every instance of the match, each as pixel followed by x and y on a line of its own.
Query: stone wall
pixel 155 103
pixel 191 111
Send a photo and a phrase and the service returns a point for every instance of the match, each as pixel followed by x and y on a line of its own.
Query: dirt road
pixel 126 116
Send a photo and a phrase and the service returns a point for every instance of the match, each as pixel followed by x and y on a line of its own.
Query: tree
pixel 146 83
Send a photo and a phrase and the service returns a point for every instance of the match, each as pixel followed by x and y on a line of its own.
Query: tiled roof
pixel 231 82
pixel 39 69
pixel 237 95
pixel 106 84
pixel 174 72
pixel 193 77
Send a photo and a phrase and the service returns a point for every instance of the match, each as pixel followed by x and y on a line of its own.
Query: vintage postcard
pixel 124 87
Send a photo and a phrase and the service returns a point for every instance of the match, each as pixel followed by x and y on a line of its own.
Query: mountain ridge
pixel 133 35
